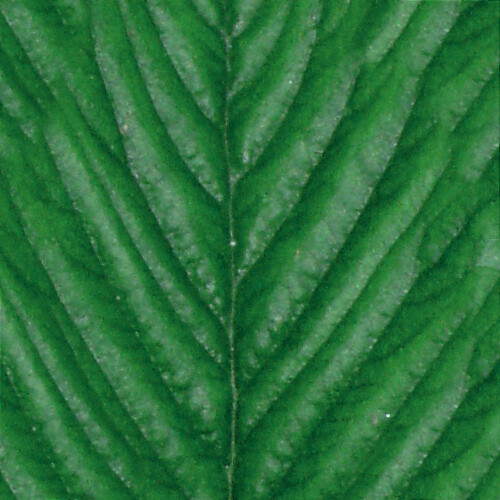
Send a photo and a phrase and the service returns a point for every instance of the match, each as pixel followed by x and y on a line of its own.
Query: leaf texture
pixel 249 249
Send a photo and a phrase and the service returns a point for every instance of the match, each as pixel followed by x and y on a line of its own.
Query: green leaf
pixel 249 249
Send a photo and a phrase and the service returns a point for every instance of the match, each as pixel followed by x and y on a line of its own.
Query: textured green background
pixel 249 249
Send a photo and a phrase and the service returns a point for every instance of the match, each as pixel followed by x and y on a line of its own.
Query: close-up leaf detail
pixel 249 249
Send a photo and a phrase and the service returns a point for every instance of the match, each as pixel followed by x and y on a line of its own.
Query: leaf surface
pixel 249 249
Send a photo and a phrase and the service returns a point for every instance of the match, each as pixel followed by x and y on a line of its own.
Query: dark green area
pixel 249 249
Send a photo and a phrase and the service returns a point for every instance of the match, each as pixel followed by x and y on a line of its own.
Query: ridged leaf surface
pixel 249 249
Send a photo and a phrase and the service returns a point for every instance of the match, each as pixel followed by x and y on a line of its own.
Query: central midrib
pixel 225 33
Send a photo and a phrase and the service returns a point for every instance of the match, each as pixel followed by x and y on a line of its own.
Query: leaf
pixel 249 249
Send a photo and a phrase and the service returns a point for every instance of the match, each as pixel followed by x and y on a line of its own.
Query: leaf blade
pixel 236 259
